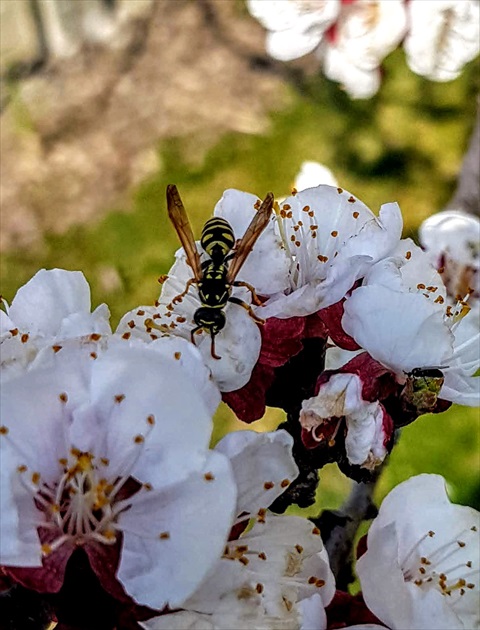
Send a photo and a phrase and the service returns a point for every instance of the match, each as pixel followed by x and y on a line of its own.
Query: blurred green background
pixel 404 145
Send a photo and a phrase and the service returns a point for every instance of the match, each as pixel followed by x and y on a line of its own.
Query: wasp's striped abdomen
pixel 217 239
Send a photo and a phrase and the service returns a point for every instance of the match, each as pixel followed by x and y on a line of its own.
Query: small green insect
pixel 422 388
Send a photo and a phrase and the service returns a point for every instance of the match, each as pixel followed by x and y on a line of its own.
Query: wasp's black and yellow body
pixel 215 277
pixel 217 239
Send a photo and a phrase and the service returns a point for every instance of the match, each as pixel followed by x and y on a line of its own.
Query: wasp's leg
pixel 248 308
pixel 212 347
pixel 179 298
pixel 255 298
pixel 192 333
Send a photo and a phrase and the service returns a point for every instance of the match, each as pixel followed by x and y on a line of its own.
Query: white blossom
pixel 452 240
pixel 52 306
pixel 421 567
pixel 295 27
pixel 91 426
pixel 276 574
pixel 313 174
pixel 331 239
pixel 353 38
pixel 365 33
pixel 443 36
pixel 400 317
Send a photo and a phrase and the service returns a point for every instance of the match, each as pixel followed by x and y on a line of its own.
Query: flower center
pixel 302 245
pixel 83 502
pixel 447 567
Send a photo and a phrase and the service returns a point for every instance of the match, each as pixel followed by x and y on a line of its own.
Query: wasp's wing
pixel 256 227
pixel 179 218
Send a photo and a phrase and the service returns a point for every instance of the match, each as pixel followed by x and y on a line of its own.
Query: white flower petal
pixel 37 424
pixel 123 406
pixel 52 307
pixel 418 533
pixel 260 463
pixel 189 358
pixel 313 174
pixel 83 323
pixel 379 578
pixel 182 620
pixel 400 330
pixel 6 324
pixel 332 239
pixel 357 82
pixel 280 15
pixel 50 296
pixel 408 269
pixel 19 542
pixel 175 535
pixel 443 37
pixel 368 31
pixel 293 43
pixel 312 611
pixel 335 357
pixel 454 232
pixel 461 389
pixel 365 34
pixel 452 241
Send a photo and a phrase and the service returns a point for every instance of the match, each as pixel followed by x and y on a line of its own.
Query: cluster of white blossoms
pixel 105 437
pixel 353 37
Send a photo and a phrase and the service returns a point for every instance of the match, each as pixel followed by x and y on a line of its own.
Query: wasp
pixel 215 277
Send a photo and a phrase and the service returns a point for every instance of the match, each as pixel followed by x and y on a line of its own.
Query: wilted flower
pixel 339 407
pixel 109 453
pixel 421 567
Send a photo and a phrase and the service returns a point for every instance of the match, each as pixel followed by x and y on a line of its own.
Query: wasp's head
pixel 211 319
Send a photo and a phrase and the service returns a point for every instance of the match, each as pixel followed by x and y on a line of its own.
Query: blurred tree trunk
pixel 467 194
pixel 67 24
